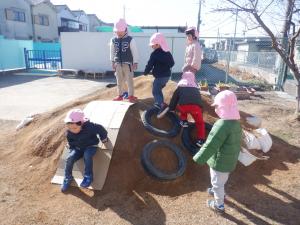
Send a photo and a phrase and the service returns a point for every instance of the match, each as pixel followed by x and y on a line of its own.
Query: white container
pixel 253 121
pixel 246 158
pixel 251 141
pixel 264 139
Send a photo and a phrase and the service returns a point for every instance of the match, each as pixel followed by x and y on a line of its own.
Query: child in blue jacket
pixel 83 142
pixel 160 63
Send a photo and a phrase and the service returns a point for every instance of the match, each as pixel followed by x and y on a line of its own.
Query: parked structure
pixel 44 21
pixel 15 19
pixel 82 19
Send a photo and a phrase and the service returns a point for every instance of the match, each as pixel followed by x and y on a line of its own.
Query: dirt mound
pixel 45 136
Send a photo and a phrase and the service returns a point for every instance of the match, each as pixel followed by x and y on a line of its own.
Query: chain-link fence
pixel 252 55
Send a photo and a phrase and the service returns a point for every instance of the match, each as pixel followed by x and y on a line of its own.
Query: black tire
pixel 187 139
pixel 155 172
pixel 146 119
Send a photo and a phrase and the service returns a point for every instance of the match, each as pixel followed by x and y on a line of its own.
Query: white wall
pixel 46 32
pixel 90 50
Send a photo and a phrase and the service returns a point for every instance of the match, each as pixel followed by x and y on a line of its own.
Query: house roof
pixel 63 7
pixel 36 2
pixel 78 12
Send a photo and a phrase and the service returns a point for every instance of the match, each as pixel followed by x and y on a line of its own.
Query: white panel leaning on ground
pixel 258 139
pixel 110 115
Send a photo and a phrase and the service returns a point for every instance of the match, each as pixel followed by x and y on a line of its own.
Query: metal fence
pixel 42 59
pixel 253 55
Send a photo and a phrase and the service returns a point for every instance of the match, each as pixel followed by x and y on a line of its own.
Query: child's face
pixel 73 127
pixel 156 46
pixel 120 33
pixel 189 38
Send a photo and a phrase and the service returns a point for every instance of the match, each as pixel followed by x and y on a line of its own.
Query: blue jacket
pixel 87 136
pixel 160 63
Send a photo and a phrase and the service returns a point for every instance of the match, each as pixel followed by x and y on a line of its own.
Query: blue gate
pixel 42 59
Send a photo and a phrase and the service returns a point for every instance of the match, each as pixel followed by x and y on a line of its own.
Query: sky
pixel 165 13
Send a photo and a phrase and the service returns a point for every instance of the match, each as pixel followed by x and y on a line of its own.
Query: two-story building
pixel 44 21
pixel 15 19
pixel 66 19
pixel 82 19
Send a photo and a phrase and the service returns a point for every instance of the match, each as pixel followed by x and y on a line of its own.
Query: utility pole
pixel 199 16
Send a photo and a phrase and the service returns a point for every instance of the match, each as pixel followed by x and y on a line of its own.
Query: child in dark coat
pixel 187 100
pixel 83 142
pixel 160 63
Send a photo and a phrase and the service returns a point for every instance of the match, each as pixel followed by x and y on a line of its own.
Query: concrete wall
pixel 90 50
pixel 16 29
pixel 47 33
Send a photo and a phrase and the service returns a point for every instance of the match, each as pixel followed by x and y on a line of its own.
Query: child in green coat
pixel 222 147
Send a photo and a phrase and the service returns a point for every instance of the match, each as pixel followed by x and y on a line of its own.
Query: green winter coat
pixel 222 147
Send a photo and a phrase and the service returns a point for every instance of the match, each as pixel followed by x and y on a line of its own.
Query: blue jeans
pixel 75 155
pixel 158 85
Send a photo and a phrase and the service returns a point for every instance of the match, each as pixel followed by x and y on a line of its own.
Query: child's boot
pixel 66 184
pixel 162 111
pixel 86 182
pixel 200 142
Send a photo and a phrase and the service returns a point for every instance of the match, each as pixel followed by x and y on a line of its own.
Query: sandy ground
pixel 267 192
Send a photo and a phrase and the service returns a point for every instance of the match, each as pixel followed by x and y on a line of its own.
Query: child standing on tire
pixel 222 147
pixel 160 63
pixel 187 100
pixel 124 58
pixel 193 51
pixel 83 143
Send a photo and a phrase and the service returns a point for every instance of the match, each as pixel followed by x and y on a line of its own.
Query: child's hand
pixel 104 140
pixel 114 66
pixel 134 66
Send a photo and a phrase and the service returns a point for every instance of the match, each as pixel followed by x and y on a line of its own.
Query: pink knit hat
pixel 120 26
pixel 226 105
pixel 187 80
pixel 74 116
pixel 193 29
pixel 158 38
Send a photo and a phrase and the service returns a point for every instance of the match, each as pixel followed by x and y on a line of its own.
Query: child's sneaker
pixel 86 182
pixel 200 142
pixel 132 98
pixel 125 95
pixel 213 206
pixel 156 105
pixel 211 192
pixel 66 184
pixel 184 123
pixel 118 98
pixel 163 110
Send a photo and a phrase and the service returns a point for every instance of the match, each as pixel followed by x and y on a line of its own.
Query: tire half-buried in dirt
pixel 186 138
pixel 153 170
pixel 146 119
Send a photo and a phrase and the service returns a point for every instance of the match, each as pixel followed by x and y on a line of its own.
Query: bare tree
pixel 257 10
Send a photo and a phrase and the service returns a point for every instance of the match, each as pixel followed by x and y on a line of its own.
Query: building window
pixel 15 15
pixel 82 27
pixel 41 20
